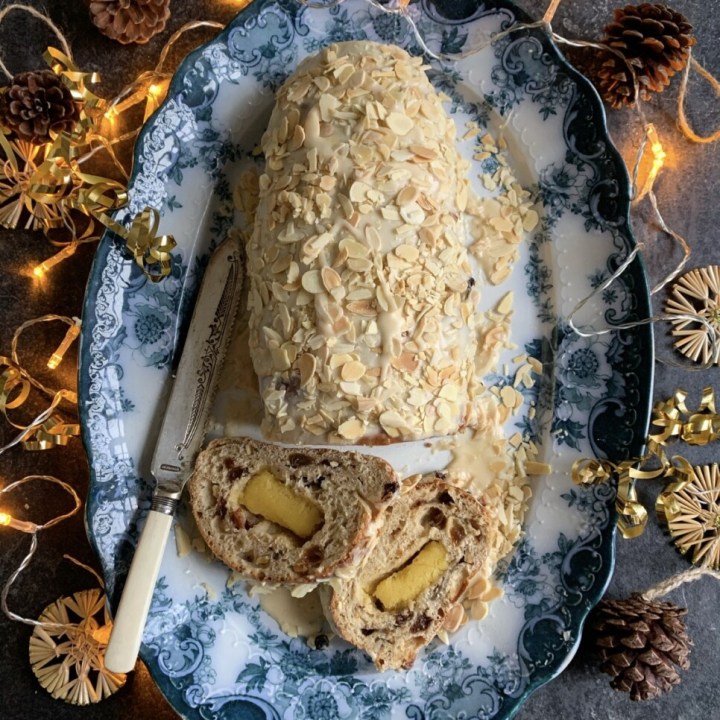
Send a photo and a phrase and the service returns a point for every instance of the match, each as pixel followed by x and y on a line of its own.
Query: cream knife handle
pixel 129 623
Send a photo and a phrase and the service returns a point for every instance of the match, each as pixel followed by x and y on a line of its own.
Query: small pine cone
pixel 130 21
pixel 36 104
pixel 640 643
pixel 654 40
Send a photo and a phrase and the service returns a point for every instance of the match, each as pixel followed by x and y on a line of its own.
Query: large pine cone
pixel 130 21
pixel 654 40
pixel 36 104
pixel 640 643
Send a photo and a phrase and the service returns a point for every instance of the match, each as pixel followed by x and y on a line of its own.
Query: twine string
pixel 683 123
pixel 33 547
pixel 672 583
pixel 43 18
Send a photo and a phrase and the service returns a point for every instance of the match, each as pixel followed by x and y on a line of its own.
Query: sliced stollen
pixel 288 515
pixel 435 538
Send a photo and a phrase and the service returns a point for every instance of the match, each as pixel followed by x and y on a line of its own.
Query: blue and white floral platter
pixel 211 649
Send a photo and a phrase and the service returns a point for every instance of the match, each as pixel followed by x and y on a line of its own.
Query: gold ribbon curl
pixel 676 421
pixel 672 420
pixel 47 430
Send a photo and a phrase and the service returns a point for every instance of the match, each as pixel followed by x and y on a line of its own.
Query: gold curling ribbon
pixel 632 516
pixel 49 431
pixel 666 507
pixel 676 421
pixel 52 433
pixel 150 250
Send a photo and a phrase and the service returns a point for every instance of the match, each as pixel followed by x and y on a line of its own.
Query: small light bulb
pixel 22 525
pixel 40 270
pixel 59 354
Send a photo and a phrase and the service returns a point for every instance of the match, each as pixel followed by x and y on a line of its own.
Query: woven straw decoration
pixel 69 660
pixel 697 293
pixel 694 523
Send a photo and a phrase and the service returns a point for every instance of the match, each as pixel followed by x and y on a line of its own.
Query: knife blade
pixel 181 435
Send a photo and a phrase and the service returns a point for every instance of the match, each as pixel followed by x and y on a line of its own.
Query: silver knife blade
pixel 187 412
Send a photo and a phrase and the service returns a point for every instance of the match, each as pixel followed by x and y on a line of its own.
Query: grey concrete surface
pixel 688 194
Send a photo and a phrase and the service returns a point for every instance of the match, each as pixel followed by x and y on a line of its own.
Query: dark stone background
pixel 687 191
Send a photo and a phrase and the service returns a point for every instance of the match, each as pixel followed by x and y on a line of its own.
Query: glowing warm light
pixel 155 89
pixel 22 525
pixel 658 156
pixel 59 354
pixel 40 270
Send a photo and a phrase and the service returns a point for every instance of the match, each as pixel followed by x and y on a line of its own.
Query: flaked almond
pixel 362 307
pixel 412 213
pixel 478 588
pixel 454 618
pixel 312 282
pixel 358 191
pixel 330 278
pixel 505 305
pixel 479 610
pixel 530 220
pixel 400 124
pixel 407 195
pixel 424 152
pixel 298 138
pixel 351 429
pixel 372 236
pixel 352 371
pixel 391 419
pixel 306 364
pixel 354 248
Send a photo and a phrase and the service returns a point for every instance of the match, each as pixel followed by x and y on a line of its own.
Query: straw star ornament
pixel 697 293
pixel 66 651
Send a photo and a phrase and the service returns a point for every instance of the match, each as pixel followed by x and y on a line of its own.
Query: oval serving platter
pixel 209 647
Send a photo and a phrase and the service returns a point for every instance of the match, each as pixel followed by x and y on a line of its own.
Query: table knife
pixel 181 434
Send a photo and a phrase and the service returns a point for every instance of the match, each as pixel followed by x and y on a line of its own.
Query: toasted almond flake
pixel 412 213
pixel 358 191
pixel 407 195
pixel 478 588
pixel 391 419
pixel 536 365
pixel 400 124
pixel 306 364
pixel 330 278
pixel 407 252
pixel 508 396
pixel 479 610
pixel 424 152
pixel 362 307
pixel 312 282
pixel 360 265
pixel 453 618
pixel 351 429
pixel 352 371
pixel 530 220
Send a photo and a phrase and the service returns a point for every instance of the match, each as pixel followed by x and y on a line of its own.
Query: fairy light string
pixel 34 531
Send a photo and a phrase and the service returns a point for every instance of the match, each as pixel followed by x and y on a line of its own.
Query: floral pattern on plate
pixel 210 648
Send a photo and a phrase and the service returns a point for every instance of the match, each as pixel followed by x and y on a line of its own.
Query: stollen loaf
pixel 288 515
pixel 434 540
pixel 361 294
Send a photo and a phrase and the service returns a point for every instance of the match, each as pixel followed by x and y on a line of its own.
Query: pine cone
pixel 130 21
pixel 640 642
pixel 36 103
pixel 655 42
